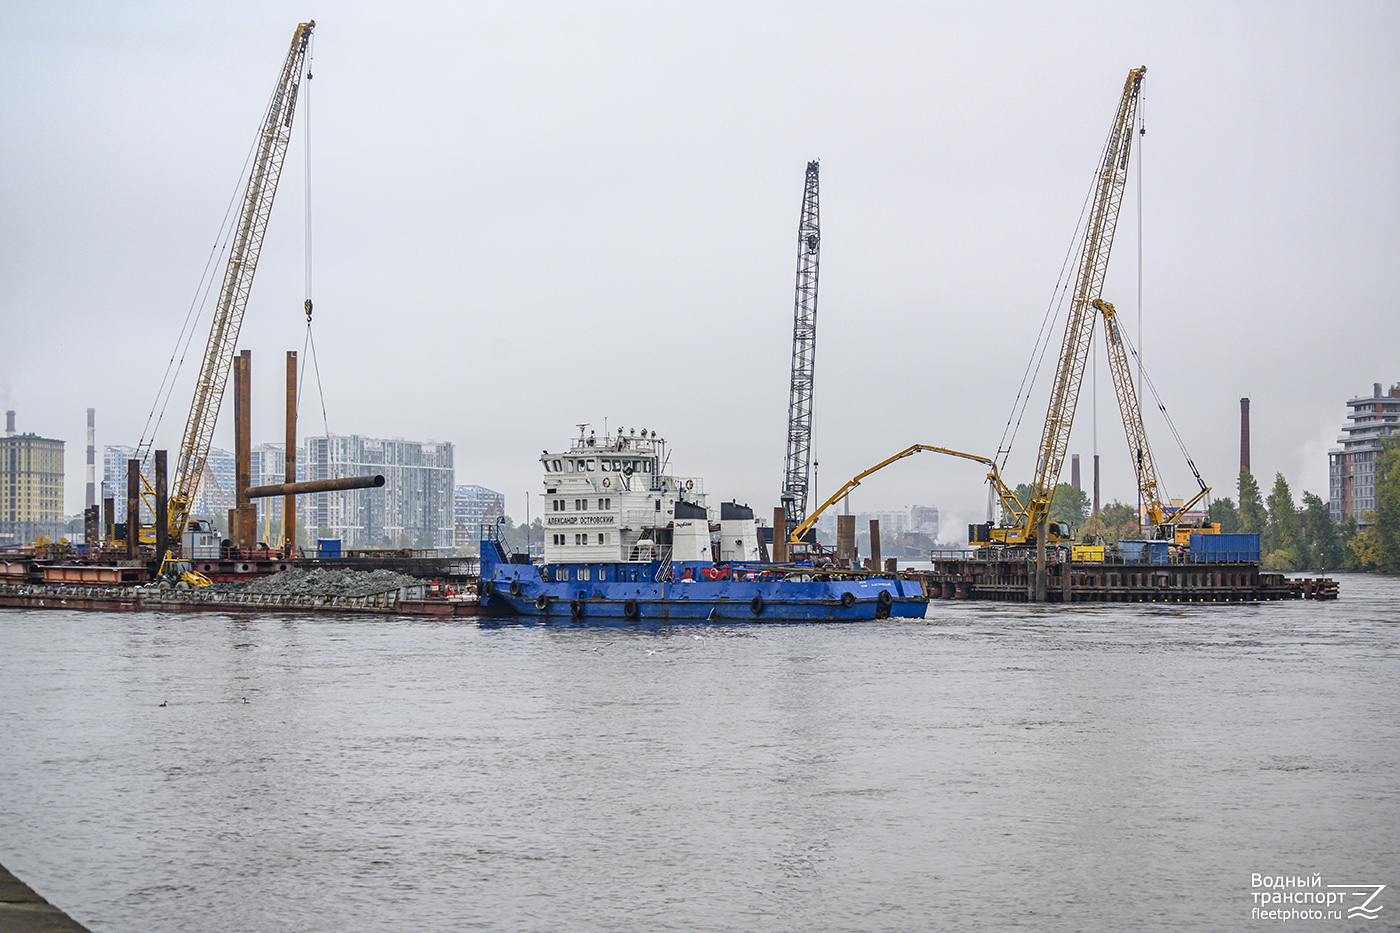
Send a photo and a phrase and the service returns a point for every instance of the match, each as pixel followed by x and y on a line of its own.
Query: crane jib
pixel 274 135
pixel 1110 179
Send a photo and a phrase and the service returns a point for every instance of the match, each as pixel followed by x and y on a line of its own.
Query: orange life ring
pixel 606 482
pixel 690 484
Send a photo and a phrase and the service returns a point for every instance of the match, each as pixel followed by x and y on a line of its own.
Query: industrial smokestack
pixel 1244 435
pixel 91 498
pixel 1377 390
pixel 1074 472
pixel 9 422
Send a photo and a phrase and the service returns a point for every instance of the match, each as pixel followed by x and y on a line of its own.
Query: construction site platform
pixel 1013 580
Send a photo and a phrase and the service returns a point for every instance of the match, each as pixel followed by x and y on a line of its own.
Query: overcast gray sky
pixel 530 215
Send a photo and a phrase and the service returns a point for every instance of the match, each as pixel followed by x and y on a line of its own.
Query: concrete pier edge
pixel 24 911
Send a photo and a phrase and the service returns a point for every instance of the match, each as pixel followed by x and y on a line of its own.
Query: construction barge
pixel 1067 581
pixel 404 583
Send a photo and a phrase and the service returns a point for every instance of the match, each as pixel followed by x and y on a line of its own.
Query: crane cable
pixel 1043 338
pixel 195 312
pixel 309 342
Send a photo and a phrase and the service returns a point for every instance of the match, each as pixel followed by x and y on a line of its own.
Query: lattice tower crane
pixel 1074 352
pixel 1138 448
pixel 274 135
pixel 798 465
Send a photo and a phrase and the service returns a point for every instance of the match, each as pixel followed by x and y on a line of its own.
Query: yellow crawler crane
pixel 1074 352
pixel 1008 498
pixel 274 135
pixel 1161 521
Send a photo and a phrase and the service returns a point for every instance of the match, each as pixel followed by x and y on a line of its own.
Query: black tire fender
pixel 756 605
pixel 576 608
pixel 630 609
pixel 885 598
pixel 542 603
pixel 488 589
pixel 515 587
pixel 848 599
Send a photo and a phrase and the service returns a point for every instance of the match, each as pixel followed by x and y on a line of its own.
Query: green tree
pixel 1069 505
pixel 1320 534
pixel 1121 521
pixel 1224 512
pixel 1347 532
pixel 1282 533
pixel 1388 502
pixel 1377 546
pixel 1253 518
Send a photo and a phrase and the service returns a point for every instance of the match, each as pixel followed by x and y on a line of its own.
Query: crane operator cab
pixel 988 535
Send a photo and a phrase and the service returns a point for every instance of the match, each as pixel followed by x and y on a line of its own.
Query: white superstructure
pixel 612 499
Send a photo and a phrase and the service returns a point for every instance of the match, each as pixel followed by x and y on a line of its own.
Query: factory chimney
pixel 91 498
pixel 9 422
pixel 1244 435
pixel 1074 472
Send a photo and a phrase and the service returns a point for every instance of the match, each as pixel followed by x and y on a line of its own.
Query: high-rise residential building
pixel 217 493
pixel 1352 466
pixel 415 506
pixel 923 519
pixel 214 496
pixel 31 487
pixel 114 458
pixel 268 467
pixel 474 507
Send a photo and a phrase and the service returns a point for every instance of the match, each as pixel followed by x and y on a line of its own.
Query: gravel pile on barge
pixel 321 581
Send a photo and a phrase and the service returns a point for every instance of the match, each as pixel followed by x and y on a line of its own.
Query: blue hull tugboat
pixel 627 542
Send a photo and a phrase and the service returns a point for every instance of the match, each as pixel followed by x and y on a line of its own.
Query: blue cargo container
pixel 1144 552
pixel 1225 548
pixel 328 547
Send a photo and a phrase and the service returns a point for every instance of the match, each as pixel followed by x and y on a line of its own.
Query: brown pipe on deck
pixel 289 504
pixel 316 485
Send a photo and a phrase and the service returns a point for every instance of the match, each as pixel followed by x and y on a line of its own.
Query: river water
pixel 988 767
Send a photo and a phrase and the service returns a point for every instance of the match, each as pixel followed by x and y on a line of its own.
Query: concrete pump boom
pixel 1008 498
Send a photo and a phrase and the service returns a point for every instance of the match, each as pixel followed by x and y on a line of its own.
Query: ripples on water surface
pixel 988 767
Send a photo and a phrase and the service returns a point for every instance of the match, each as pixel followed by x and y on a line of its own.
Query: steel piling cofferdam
pixel 1085 582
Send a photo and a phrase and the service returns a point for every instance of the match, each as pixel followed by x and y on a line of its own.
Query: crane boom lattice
pixel 1109 184
pixel 274 135
pixel 798 465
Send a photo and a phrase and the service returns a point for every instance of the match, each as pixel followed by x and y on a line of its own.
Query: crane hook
pixel 308 310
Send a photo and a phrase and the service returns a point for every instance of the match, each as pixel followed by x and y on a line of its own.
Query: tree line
pixel 1308 539
pixel 1291 537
